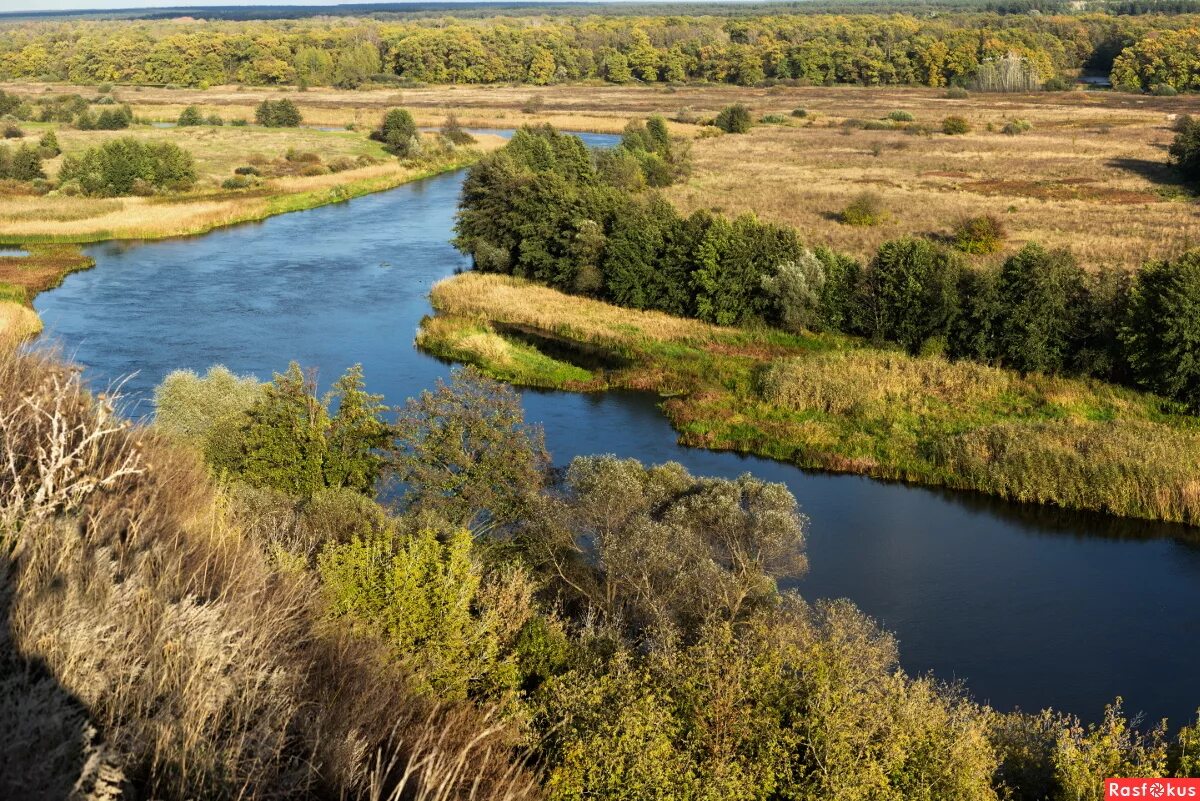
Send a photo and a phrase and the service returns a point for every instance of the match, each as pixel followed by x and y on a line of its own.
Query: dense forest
pixel 1141 51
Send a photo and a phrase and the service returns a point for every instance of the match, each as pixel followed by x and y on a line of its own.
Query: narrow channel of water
pixel 1029 607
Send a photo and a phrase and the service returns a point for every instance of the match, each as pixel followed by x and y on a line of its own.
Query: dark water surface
pixel 1029 607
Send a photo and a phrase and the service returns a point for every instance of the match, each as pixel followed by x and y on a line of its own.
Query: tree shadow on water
pixel 49 750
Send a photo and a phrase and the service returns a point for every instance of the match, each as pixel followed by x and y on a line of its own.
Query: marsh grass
pixel 830 402
pixel 208 672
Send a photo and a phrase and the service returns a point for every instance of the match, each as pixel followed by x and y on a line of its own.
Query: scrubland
pixel 829 402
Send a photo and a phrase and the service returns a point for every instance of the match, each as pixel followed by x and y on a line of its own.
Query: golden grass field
pixel 1091 173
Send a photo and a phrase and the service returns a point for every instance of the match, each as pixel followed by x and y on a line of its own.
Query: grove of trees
pixel 543 208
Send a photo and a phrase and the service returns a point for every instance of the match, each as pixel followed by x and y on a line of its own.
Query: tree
pixel 910 292
pixel 48 145
pixel 356 64
pixel 357 435
pixel 277 114
pixel 127 165
pixel 464 451
pixel 1161 334
pixel 734 119
pixel 284 444
pixel 1185 150
pixel 1042 296
pixel 796 288
pixel 26 164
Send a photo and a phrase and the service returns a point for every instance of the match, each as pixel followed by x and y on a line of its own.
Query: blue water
pixel 1031 608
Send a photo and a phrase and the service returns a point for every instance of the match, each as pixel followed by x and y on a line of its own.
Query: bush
pixel 48 145
pixel 772 119
pixel 978 235
pixel 453 132
pixel 1163 90
pixel 1058 83
pixel 121 166
pixel 237 182
pixel 214 120
pixel 800 112
pixel 190 116
pixel 13 132
pixel 900 116
pixel 957 93
pixel 398 133
pixel 955 126
pixel 238 123
pixel 1016 127
pixel 277 114
pixel 735 119
pixel 104 88
pixel 866 209
pixel 533 104
pixel 246 170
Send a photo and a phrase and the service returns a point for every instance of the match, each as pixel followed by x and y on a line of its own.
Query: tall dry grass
pixel 205 671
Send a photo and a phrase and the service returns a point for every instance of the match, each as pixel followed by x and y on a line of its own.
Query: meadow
pixel 1090 173
pixel 830 402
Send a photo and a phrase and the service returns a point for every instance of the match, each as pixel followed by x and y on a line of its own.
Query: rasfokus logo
pixel 1151 788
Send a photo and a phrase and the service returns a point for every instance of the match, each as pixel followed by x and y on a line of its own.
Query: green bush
pixel 190 116
pixel 983 234
pixel 957 93
pixel 48 145
pixel 735 119
pixel 955 126
pixel 1163 90
pixel 398 133
pixel 1016 127
pixel 800 112
pixel 900 116
pixel 237 182
pixel 214 120
pixel 123 166
pixel 13 132
pixel 772 119
pixel 277 114
pixel 1058 83
pixel 866 209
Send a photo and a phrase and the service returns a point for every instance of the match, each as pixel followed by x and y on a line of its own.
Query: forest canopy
pixel 856 48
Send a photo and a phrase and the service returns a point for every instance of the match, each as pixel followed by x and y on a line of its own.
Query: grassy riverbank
pixel 51 228
pixel 829 402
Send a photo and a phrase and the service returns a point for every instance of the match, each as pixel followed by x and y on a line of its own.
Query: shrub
pixel 800 112
pixel 238 123
pixel 277 114
pixel 453 132
pixel 13 132
pixel 214 120
pixel 104 88
pixel 957 93
pixel 1016 127
pixel 1058 83
pixel 48 145
pixel 1163 90
pixel 190 116
pixel 398 133
pixel 247 170
pixel 983 234
pixel 772 119
pixel 26 164
pixel 734 119
pixel 121 166
pixel 900 116
pixel 236 182
pixel 955 126
pixel 866 209
pixel 533 104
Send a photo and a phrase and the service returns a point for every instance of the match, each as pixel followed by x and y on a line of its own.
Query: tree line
pixel 857 48
pixel 543 208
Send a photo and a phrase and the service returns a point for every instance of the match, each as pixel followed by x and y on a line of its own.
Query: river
pixel 1029 607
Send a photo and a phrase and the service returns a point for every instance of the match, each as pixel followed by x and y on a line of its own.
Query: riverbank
pixel 54 251
pixel 831 403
